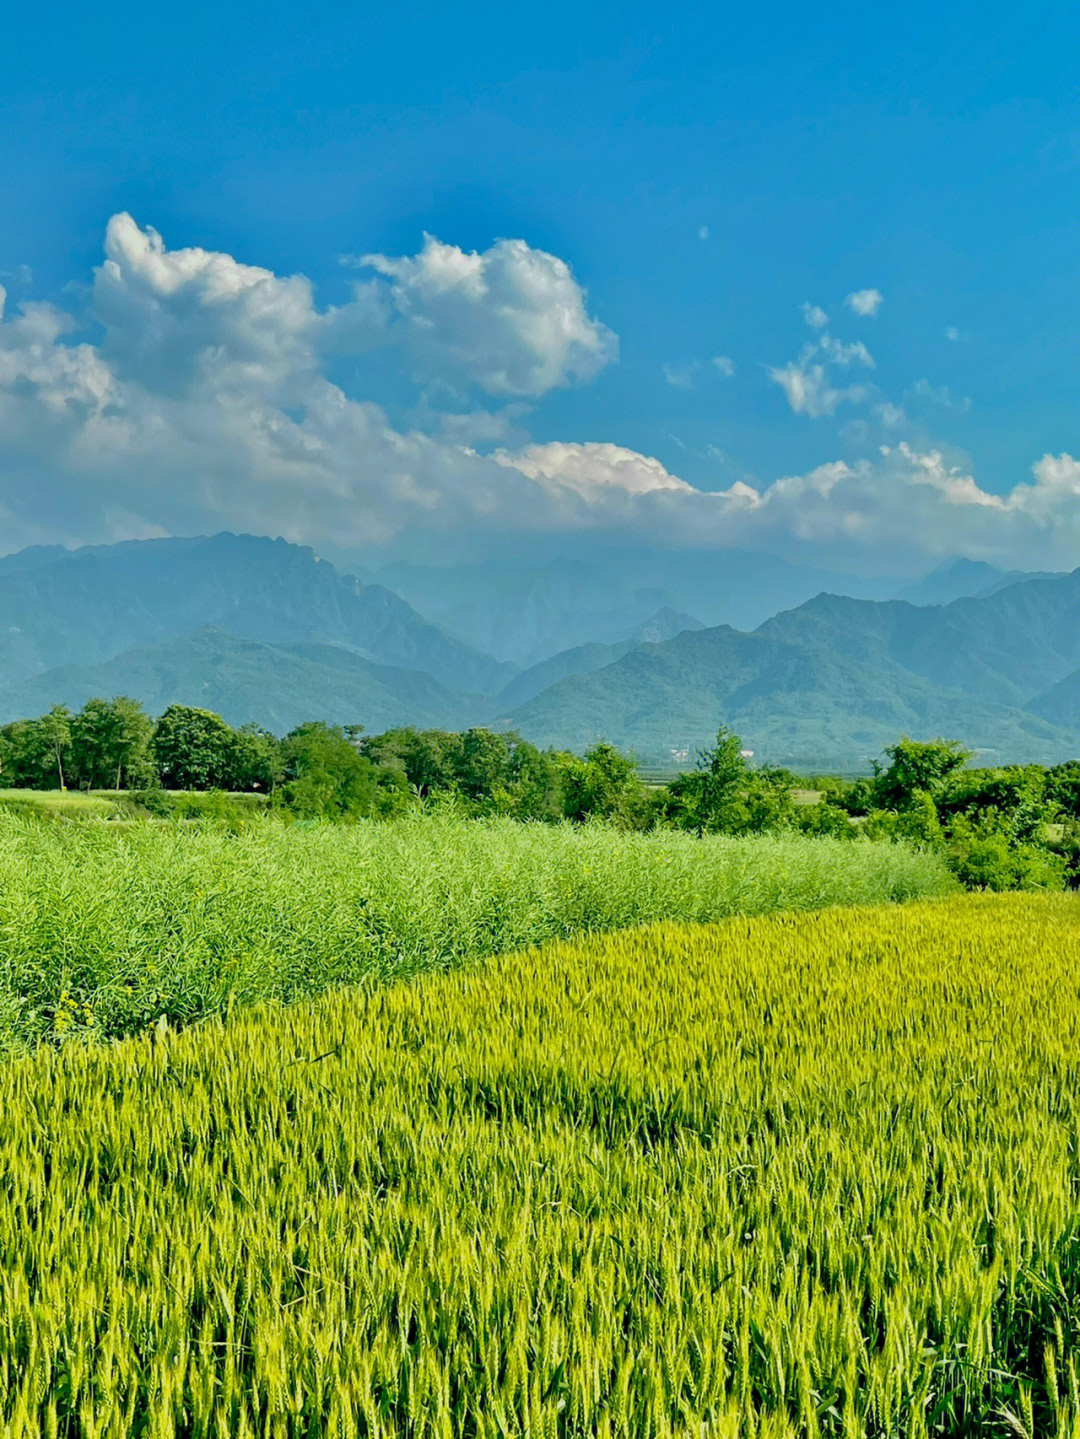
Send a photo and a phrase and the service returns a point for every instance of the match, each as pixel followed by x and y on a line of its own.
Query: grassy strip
pixel 101 932
pixel 58 804
pixel 807 1175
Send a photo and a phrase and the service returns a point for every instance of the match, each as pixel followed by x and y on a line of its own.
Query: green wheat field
pixel 800 1174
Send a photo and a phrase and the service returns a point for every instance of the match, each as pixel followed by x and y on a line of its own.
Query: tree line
pixel 1010 827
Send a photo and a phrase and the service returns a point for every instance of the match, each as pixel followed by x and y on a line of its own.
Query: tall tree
pixel 917 766
pixel 194 749
pixel 255 761
pixel 325 775
pixel 710 800
pixel 34 752
pixel 56 730
pixel 110 742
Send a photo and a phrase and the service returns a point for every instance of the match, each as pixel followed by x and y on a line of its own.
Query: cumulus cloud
pixel 594 470
pixel 864 302
pixel 206 399
pixel 175 319
pixel 725 364
pixel 511 319
pixel 815 316
pixel 917 503
pixel 907 503
pixel 845 354
pixel 809 390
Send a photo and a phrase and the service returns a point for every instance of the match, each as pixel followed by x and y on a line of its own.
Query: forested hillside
pixel 828 683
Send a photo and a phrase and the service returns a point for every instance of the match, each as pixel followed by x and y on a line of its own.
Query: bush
pixel 986 856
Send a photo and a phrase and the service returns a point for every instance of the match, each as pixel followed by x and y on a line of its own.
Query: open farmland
pixel 104 929
pixel 800 1175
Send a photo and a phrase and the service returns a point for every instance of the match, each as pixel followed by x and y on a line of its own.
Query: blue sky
pixel 701 174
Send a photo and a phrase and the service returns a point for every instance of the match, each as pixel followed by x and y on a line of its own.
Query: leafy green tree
pixel 56 731
pixel 711 799
pixel 1063 787
pixel 429 759
pixel 533 786
pixel 110 744
pixel 605 784
pixel 36 753
pixel 483 764
pixel 1019 795
pixel 984 854
pixel 193 748
pixel 824 818
pixel 914 766
pixel 325 775
pixel 256 764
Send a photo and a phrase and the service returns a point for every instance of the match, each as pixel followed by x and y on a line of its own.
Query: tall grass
pixel 798 1177
pixel 102 932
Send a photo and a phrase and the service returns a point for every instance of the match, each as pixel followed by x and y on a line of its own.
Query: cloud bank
pixel 195 393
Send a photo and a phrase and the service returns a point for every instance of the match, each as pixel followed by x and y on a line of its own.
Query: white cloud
pixel 681 376
pixel 906 505
pixel 843 354
pixel 814 316
pixel 941 396
pixel 21 275
pixel 593 470
pixel 703 233
pixel 809 390
pixel 206 402
pixel 511 320
pixel 180 320
pixel 806 381
pixel 864 302
pixel 891 416
pixel 725 364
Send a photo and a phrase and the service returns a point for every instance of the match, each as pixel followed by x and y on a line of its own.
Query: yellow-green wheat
pixel 804 1175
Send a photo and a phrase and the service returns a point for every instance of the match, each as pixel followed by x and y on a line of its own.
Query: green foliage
pixel 1014 825
pixel 605 785
pixel 110 744
pixel 805 1177
pixel 917 767
pixel 823 818
pixel 255 763
pixel 711 800
pixel 985 853
pixel 1063 788
pixel 326 777
pixel 193 749
pixel 186 919
pixel 36 753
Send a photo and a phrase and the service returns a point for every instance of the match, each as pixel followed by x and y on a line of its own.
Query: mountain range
pixel 262 630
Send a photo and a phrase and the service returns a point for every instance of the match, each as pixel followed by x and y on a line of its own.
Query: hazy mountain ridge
pixel 278 686
pixel 834 680
pixel 531 606
pixel 262 630
pixel 89 606
pixel 964 579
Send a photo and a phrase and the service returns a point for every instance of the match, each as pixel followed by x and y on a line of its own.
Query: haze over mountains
pixel 261 630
